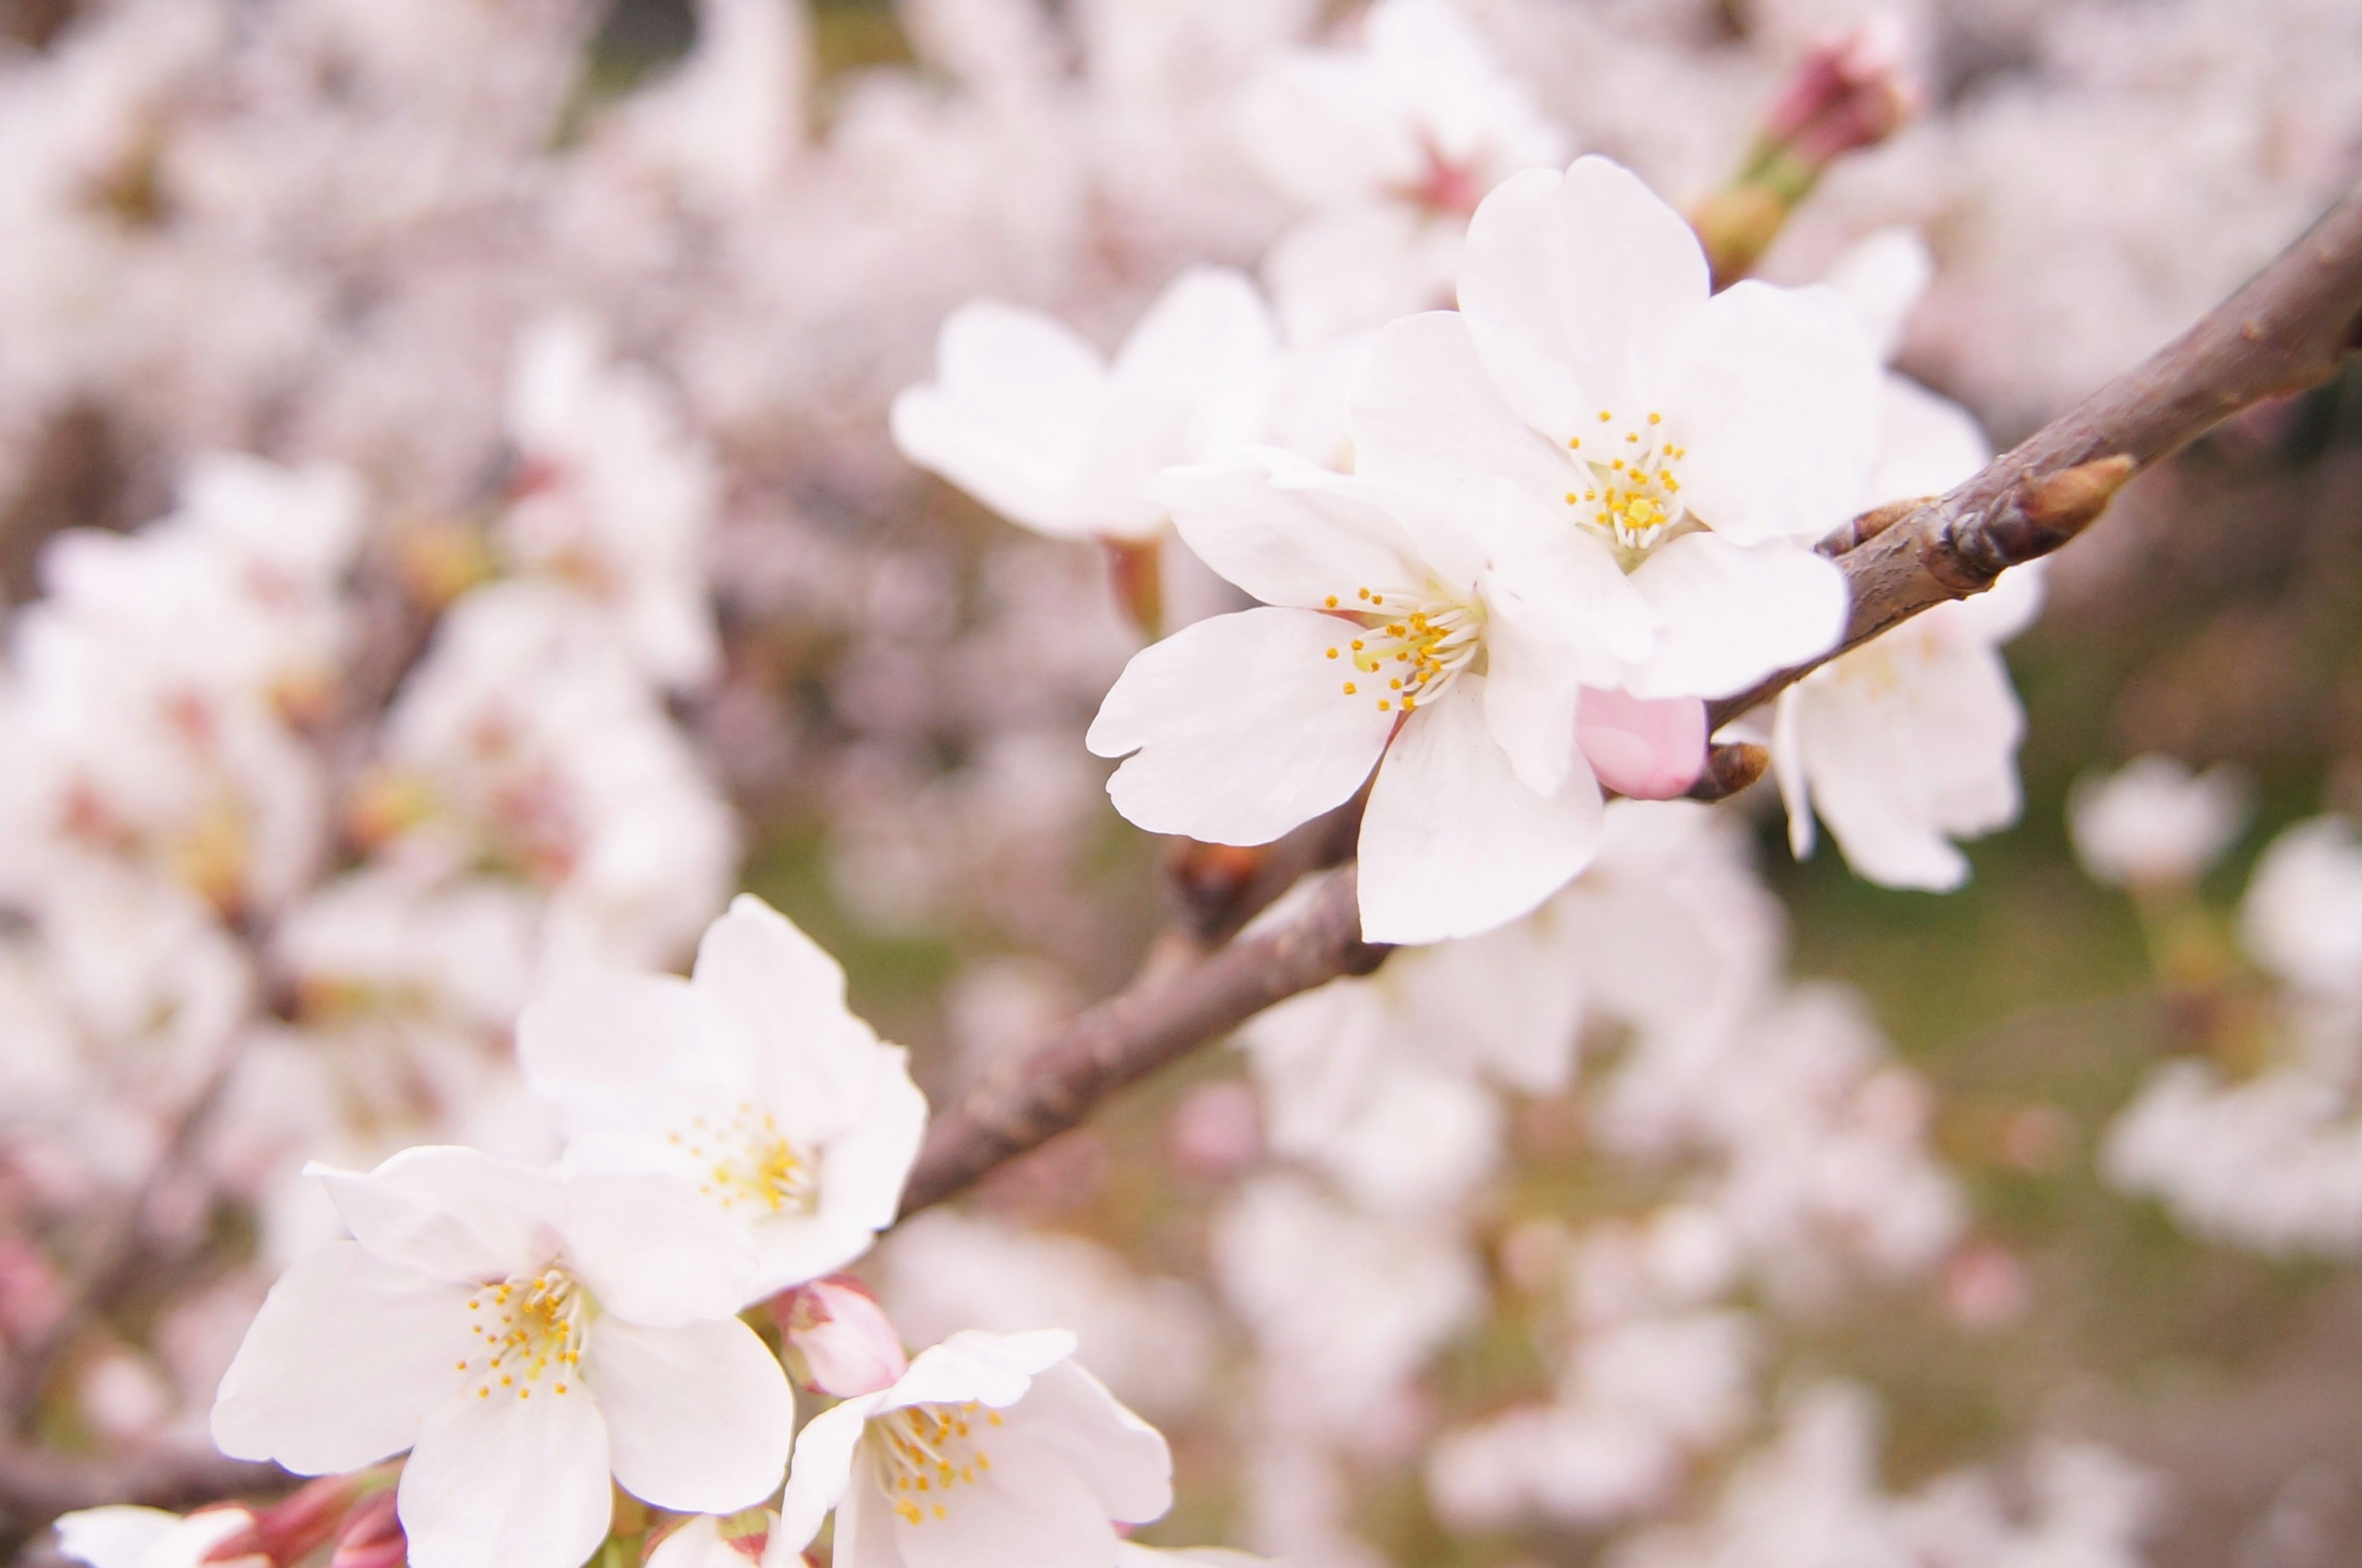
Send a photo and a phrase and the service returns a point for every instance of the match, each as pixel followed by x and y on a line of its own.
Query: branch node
pixel 1861 530
pixel 2040 514
pixel 1729 770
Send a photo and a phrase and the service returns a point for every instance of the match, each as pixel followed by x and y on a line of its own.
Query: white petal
pixel 1453 843
pixel 1795 777
pixel 1927 443
pixel 1881 278
pixel 862 1172
pixel 451 1213
pixel 865 1523
pixel 1286 545
pixel 698 1419
pixel 1240 726
pixel 1574 287
pixel 653 1250
pixel 608 1049
pixel 1016 401
pixel 1731 615
pixel 1315 129
pixel 1031 1510
pixel 1121 1458
pixel 112 1537
pixel 508 1482
pixel 1878 816
pixel 1561 588
pixel 342 1364
pixel 808 1058
pixel 819 1476
pixel 1200 363
pixel 793 1249
pixel 1429 420
pixel 1773 396
pixel 1530 692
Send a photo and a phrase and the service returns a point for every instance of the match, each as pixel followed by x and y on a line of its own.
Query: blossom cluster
pixel 465 513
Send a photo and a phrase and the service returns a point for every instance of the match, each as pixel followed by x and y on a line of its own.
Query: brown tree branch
pixel 2287 329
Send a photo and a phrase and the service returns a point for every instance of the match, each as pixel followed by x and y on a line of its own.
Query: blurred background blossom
pixel 452 532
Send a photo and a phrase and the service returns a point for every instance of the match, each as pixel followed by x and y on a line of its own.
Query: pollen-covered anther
pixel 537 1322
pixel 930 1449
pixel 751 1164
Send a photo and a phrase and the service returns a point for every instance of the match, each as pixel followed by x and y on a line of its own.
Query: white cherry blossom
pixel 1911 741
pixel 2156 824
pixel 1034 422
pixel 2302 914
pixel 1391 145
pixel 751 1082
pixel 125 1537
pixel 527 1335
pixel 1690 447
pixel 994 1450
pixel 1431 645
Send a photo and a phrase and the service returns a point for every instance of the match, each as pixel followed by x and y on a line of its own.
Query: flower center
pixel 928 1451
pixel 528 1329
pixel 1628 491
pixel 1411 647
pixel 747 1160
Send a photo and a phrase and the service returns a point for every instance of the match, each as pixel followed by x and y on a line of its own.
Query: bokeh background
pixel 318 230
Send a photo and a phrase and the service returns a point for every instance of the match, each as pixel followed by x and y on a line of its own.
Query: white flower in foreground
pixel 1392 146
pixel 1433 645
pixel 124 1536
pixel 2154 822
pixel 526 1334
pixel 2302 914
pixel 1027 417
pixel 1691 447
pixel 994 1450
pixel 751 1082
pixel 1907 743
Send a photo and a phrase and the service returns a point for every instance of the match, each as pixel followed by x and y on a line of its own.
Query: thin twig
pixel 2289 329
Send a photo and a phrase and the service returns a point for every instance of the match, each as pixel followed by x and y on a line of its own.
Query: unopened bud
pixel 371 1536
pixel 841 1336
pixel 1848 93
pixel 711 1541
pixel 1650 750
pixel 291 1528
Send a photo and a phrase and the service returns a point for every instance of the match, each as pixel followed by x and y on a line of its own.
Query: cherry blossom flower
pixel 2302 916
pixel 751 1082
pixel 525 1334
pixel 994 1450
pixel 2155 823
pixel 1391 145
pixel 1379 611
pixel 1911 741
pixel 1689 447
pixel 1029 419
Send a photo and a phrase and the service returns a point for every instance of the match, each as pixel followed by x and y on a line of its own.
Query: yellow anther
pixel 1383 706
pixel 1348 688
pixel 1632 436
pixel 939 1510
pixel 1407 701
pixel 1332 653
pixel 1619 464
pixel 1378 599
pixel 1332 602
pixel 1357 644
pixel 1656 419
pixel 1364 592
pixel 1390 686
pixel 1605 417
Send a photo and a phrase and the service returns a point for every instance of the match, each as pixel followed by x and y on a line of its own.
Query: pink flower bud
pixel 1850 91
pixel 1647 750
pixel 373 1535
pixel 290 1528
pixel 841 1333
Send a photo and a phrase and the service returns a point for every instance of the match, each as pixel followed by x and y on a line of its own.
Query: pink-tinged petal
pixel 1313 127
pixel 1731 615
pixel 818 1477
pixel 699 1544
pixel 778 998
pixel 342 1364
pixel 1648 751
pixel 1030 1510
pixel 1122 1459
pixel 1795 777
pixel 450 1213
pixel 1430 421
pixel 698 1419
pixel 1927 443
pixel 1454 841
pixel 1286 545
pixel 508 1481
pixel 1773 395
pixel 1009 418
pixel 653 1250
pixel 1240 727
pixel 865 1523
pixel 848 1345
pixel 609 1049
pixel 1574 287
